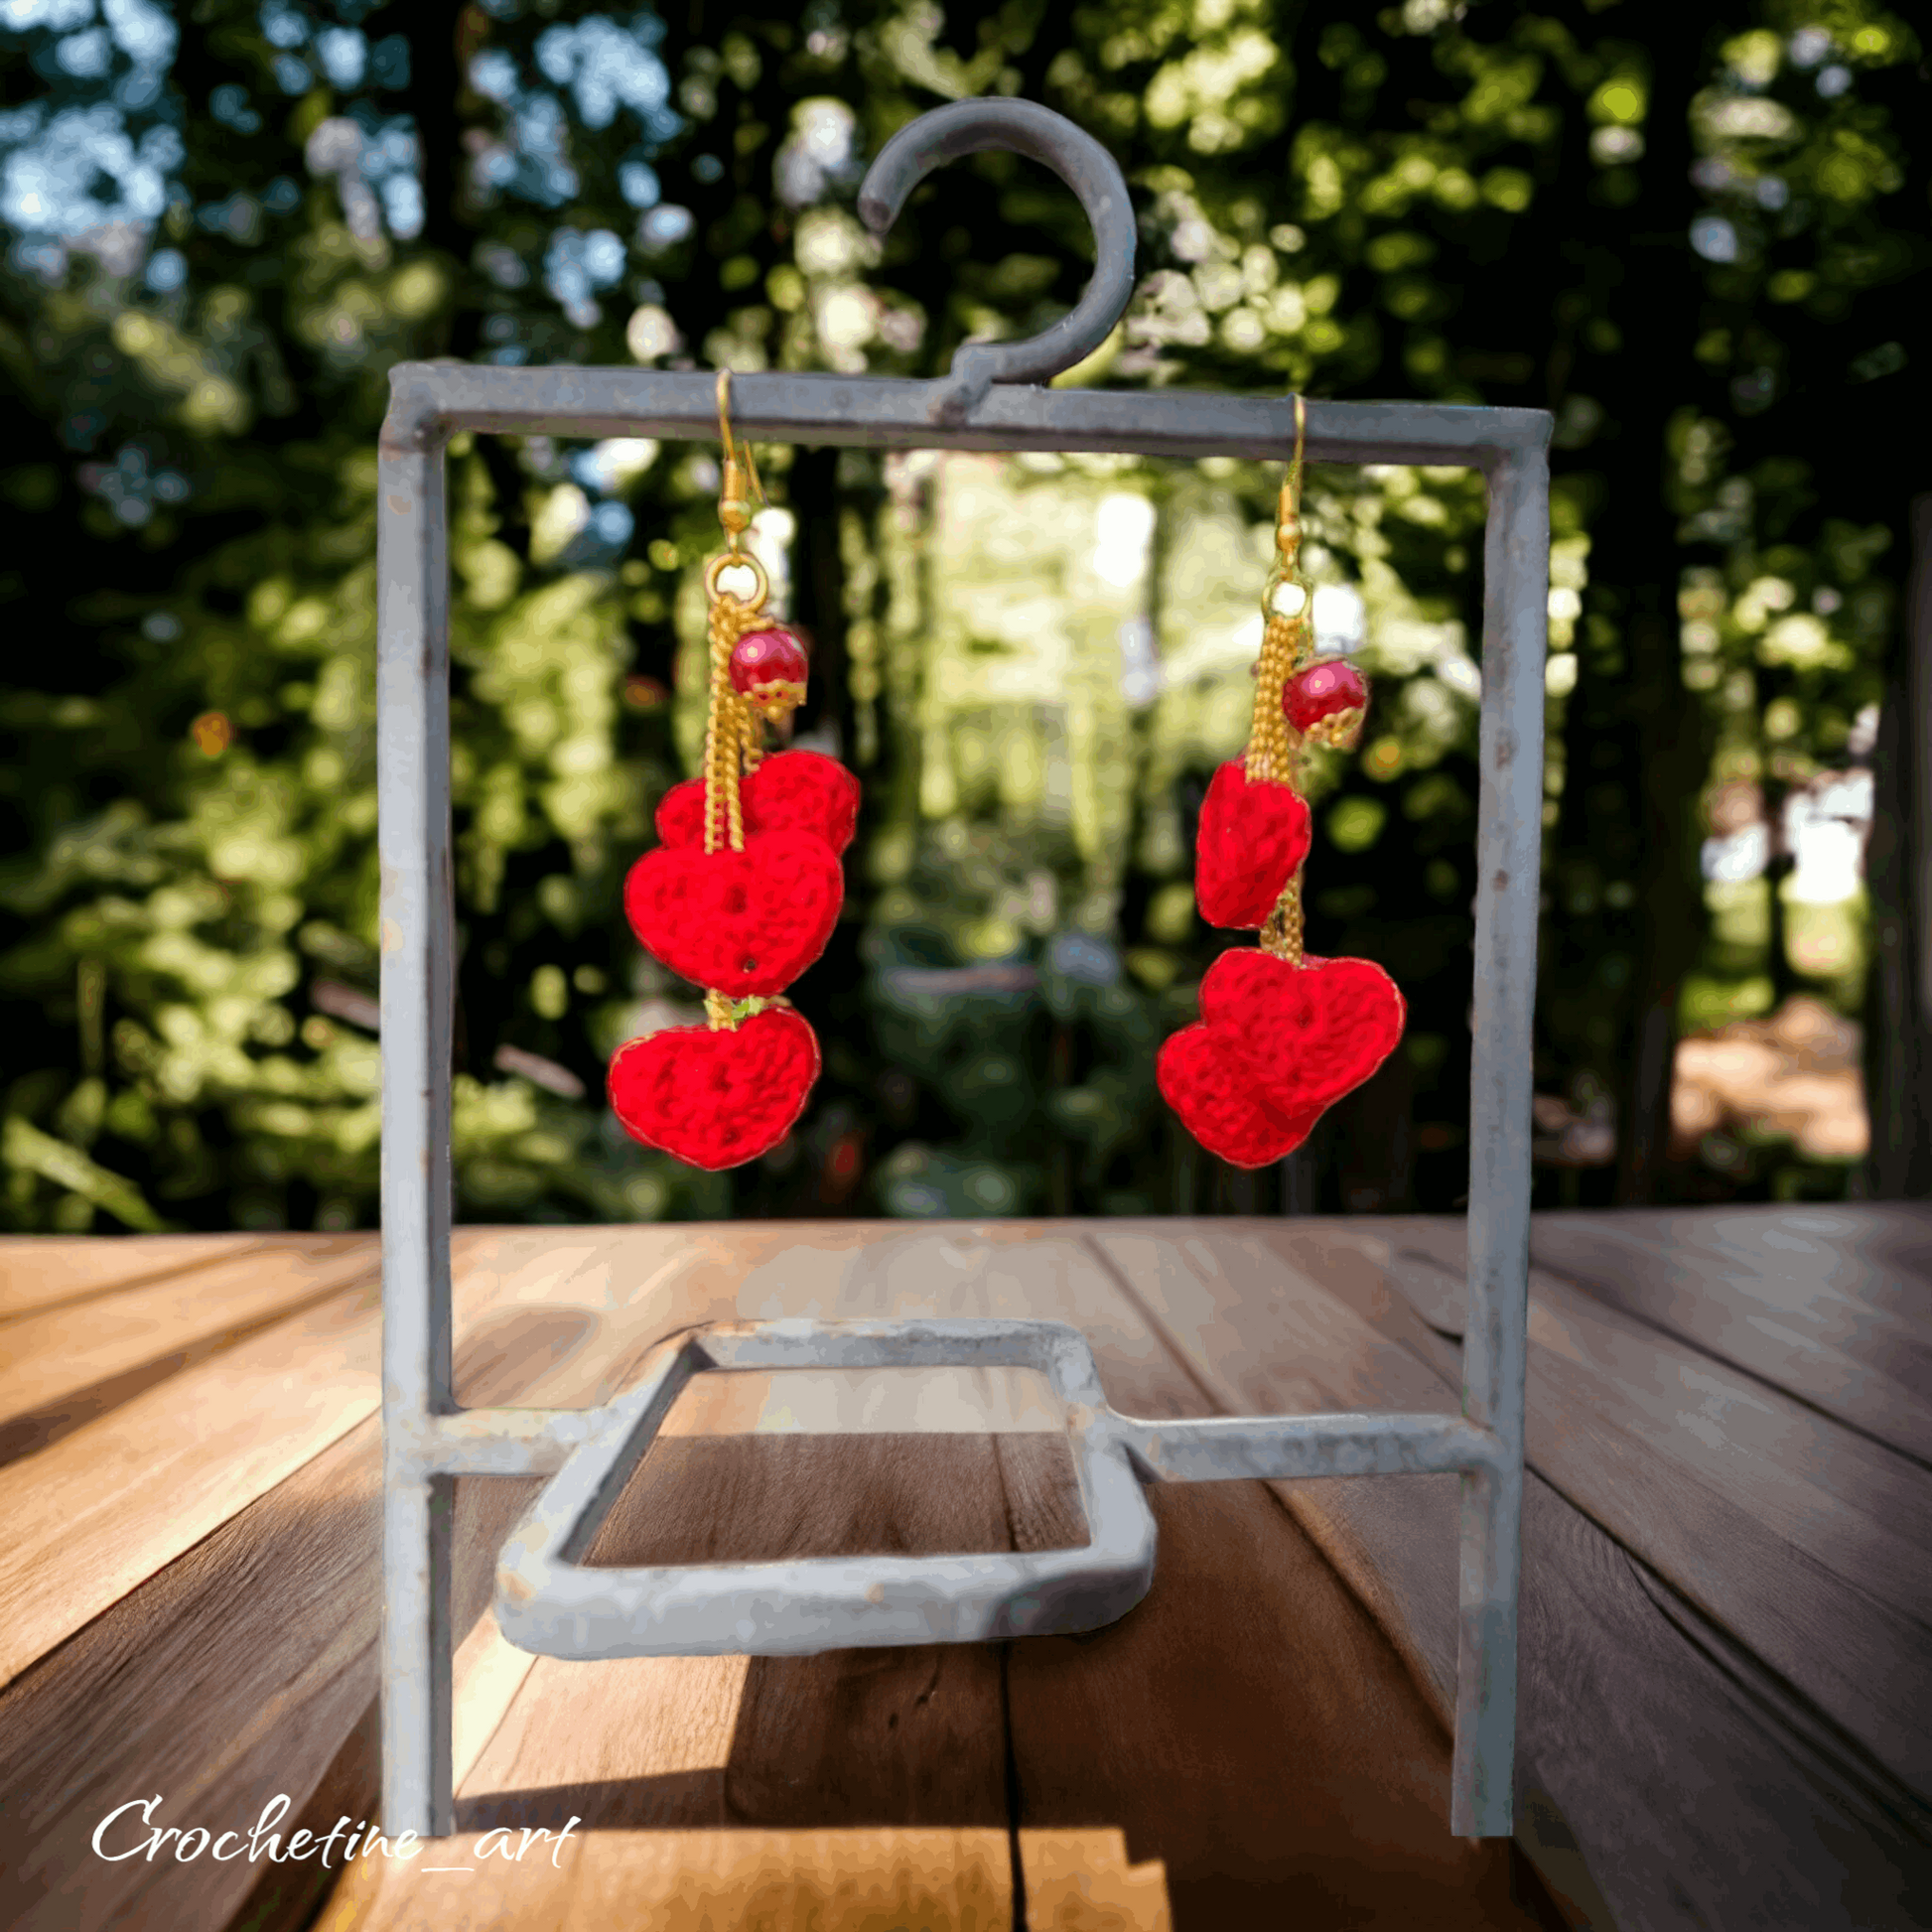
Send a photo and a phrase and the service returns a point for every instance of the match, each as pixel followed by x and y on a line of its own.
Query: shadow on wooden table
pixel 1246 1741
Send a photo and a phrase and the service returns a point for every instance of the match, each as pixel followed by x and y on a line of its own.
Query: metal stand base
pixel 548 1600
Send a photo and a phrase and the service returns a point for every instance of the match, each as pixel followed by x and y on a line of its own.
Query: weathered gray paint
pixel 548 1600
pixel 428 1440
pixel 1495 1347
pixel 1021 126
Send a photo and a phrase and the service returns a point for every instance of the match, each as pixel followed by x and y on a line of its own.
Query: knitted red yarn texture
pixel 716 1099
pixel 1252 836
pixel 1314 1032
pixel 1217 1090
pixel 790 791
pixel 740 923
pixel 1277 1045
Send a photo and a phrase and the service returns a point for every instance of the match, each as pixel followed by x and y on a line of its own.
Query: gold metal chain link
pixel 1287 642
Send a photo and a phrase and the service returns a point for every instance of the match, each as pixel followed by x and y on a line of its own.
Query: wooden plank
pixel 1087 1881
pixel 946 1873
pixel 64 1366
pixel 232 1677
pixel 1250 1731
pixel 1249 1290
pixel 104 1508
pixel 1825 1594
pixel 1767 1817
pixel 246 1668
pixel 1850 1501
pixel 83 1525
pixel 1896 1240
pixel 1679 1779
pixel 1652 1747
pixel 1812 1545
pixel 42 1271
pixel 618 1309
pixel 1838 1264
pixel 1814 1301
pixel 941 1879
pixel 1782 1301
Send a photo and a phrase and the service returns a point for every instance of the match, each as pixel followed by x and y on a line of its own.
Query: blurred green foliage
pixel 1707 264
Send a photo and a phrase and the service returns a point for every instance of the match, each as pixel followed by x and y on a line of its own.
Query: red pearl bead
pixel 766 658
pixel 1323 691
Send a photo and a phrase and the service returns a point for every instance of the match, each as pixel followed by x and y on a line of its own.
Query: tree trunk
pixel 1898 883
pixel 1670 754
pixel 1664 735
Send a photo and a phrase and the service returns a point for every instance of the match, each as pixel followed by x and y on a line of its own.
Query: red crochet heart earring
pixel 746 887
pixel 1282 1035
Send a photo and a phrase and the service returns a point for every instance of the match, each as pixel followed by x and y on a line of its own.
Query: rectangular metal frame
pixel 428 1440
pixel 550 1601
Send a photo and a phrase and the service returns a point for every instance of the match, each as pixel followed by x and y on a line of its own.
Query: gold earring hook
pixel 1288 507
pixel 734 507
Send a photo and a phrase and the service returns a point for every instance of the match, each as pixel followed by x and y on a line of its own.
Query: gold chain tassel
pixel 724 732
pixel 1282 935
pixel 1269 742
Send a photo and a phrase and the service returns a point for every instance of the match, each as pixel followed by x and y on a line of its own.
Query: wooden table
pixel 1727 1705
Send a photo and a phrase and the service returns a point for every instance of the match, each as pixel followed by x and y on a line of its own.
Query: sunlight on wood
pixel 939 1881
pixel 1084 1881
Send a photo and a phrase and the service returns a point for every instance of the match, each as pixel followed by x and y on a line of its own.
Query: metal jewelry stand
pixel 546 1600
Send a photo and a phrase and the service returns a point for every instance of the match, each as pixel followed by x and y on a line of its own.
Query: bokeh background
pixel 1695 233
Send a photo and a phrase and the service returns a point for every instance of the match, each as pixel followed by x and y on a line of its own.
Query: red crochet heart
pixel 1215 1089
pixel 790 791
pixel 740 923
pixel 1315 1031
pixel 716 1099
pixel 1276 1046
pixel 1250 839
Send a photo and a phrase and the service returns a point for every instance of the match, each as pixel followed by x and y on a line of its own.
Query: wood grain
pixel 1770 1294
pixel 1688 1782
pixel 1677 1779
pixel 44 1270
pixel 63 1366
pixel 928 1880
pixel 102 1509
pixel 1250 1731
pixel 1245 1748
pixel 82 1516
pixel 1247 1730
pixel 142 1699
pixel 1854 1503
pixel 1807 1541
pixel 1820 1302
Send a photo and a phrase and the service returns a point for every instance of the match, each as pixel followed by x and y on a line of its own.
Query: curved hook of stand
pixel 1022 127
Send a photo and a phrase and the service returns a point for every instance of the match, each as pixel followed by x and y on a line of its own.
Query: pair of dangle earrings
pixel 745 887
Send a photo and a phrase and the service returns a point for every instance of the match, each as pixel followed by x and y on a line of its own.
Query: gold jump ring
pixel 737 560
